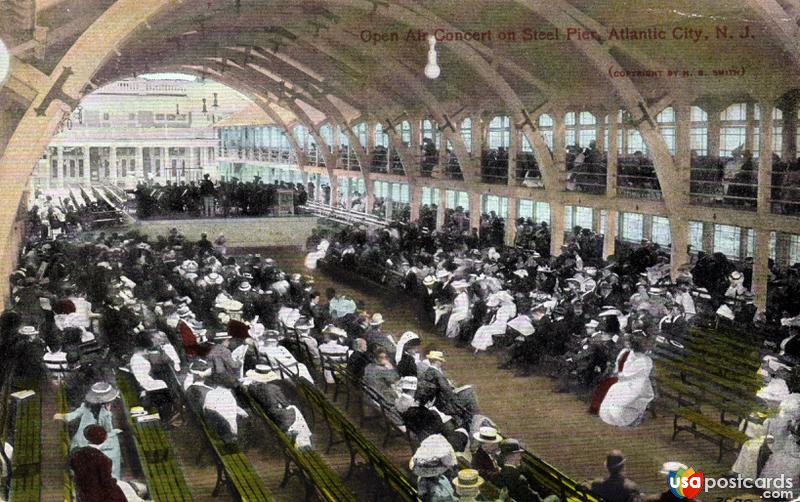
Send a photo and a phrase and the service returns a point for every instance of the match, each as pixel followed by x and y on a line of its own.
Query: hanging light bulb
pixel 432 69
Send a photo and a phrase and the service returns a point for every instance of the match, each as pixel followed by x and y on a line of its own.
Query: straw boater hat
pixel 28 331
pixel 101 393
pixel 262 374
pixel 189 266
pixel 672 466
pixel 468 478
pixel 245 286
pixel 213 278
pixel 735 275
pixel 487 435
pixel 429 281
pixel 436 355
pixel 377 319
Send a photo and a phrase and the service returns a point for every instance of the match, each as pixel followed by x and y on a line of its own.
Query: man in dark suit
pixel 616 487
pixel 92 468
pixel 511 478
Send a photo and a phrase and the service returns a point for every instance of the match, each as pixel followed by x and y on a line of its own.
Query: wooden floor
pixel 555 426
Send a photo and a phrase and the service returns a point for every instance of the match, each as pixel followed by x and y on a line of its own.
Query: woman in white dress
pixel 627 399
pixel 506 310
pixel 783 439
pixel 460 310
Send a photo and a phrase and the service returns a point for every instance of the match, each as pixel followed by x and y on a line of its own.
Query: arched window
pixel 734 129
pixel 500 132
pixel 666 125
pixel 587 127
pixel 360 131
pixel 570 136
pixel 430 131
pixel 699 131
pixel 466 133
pixel 381 138
pixel 546 128
pixel 405 132
pixel 326 131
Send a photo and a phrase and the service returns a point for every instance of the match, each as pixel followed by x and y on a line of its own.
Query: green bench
pixel 164 478
pixel 356 442
pixel 728 438
pixel 63 408
pixel 316 473
pixel 233 468
pixel 26 476
pixel 554 481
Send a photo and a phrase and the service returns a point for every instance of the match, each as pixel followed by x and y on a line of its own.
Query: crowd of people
pixel 216 198
pixel 50 217
pixel 589 323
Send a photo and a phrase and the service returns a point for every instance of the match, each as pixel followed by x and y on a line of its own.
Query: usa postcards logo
pixel 685 482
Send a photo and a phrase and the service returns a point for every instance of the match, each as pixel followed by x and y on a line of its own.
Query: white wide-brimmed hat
pixel 101 393
pixel 487 435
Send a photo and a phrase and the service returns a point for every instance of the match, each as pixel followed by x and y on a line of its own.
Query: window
pixel 326 131
pixel 457 198
pixel 696 236
pixel 733 130
pixel 546 129
pixel 541 212
pixel 360 131
pixel 579 216
pixel 794 249
pixel 632 227
pixel 588 129
pixel 660 233
pixel 466 133
pixel 430 131
pixel 699 131
pixel 635 142
pixel 430 196
pixel 666 125
pixel 727 240
pixel 500 132
pixel 569 129
pixel 497 204
pixel 405 132
pixel 525 208
pixel 381 138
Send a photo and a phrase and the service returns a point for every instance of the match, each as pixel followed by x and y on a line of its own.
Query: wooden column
pixel 556 227
pixel 441 207
pixel 714 127
pixel 612 231
pixel 761 268
pixel 511 221
pixel 613 147
pixel 474 210
pixel 765 158
pixel 415 201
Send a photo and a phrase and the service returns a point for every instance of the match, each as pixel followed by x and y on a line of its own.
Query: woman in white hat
pixel 406 356
pixel 431 463
pixel 783 441
pixel 506 310
pixel 96 410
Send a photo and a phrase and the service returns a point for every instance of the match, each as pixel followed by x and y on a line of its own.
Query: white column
pixel 167 164
pixel 112 165
pixel 511 221
pixel 192 173
pixel 87 168
pixel 59 164
pixel 140 163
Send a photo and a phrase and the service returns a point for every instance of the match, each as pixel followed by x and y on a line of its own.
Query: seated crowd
pixel 589 323
pixel 209 199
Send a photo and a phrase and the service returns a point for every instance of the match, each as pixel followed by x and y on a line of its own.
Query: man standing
pixel 616 487
pixel 220 359
pixel 207 192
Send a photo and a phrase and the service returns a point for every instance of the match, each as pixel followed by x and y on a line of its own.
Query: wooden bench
pixel 356 442
pixel 26 476
pixel 553 481
pixel 63 408
pixel 164 477
pixel 713 430
pixel 316 474
pixel 233 468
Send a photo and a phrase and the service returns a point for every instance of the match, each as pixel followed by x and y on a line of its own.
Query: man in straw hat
pixel 615 487
pixel 376 337
pixel 484 460
pixel 220 358
pixel 468 485
pixel 266 387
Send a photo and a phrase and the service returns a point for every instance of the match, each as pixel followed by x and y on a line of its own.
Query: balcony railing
pixel 723 182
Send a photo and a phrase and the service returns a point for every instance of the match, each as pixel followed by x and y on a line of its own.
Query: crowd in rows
pixel 221 198
pixel 589 323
